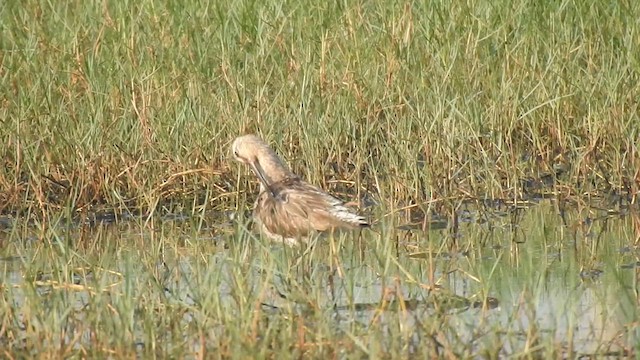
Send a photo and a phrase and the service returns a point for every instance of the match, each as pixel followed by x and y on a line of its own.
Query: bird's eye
pixel 235 153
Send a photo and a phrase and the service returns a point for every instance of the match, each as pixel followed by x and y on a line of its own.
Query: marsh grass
pixel 419 110
pixel 167 290
pixel 134 105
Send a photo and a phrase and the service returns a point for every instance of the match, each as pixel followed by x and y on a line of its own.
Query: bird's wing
pixel 304 207
pixel 280 216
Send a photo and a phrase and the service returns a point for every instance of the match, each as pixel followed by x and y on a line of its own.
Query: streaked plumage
pixel 289 209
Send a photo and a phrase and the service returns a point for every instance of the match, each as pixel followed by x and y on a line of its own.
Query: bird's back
pixel 293 209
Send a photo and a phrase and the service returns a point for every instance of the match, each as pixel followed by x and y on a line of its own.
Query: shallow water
pixel 502 283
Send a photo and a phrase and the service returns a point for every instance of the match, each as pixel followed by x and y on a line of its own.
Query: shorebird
pixel 288 209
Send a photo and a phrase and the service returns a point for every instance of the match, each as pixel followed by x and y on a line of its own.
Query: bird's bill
pixel 257 169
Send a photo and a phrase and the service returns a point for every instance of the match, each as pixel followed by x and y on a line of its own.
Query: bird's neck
pixel 275 170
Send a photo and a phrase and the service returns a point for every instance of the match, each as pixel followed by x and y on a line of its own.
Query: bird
pixel 289 209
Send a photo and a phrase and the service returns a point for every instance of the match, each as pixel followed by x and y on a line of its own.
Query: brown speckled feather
pixel 297 208
pixel 287 208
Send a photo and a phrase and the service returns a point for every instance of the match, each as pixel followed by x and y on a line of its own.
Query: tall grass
pixel 125 104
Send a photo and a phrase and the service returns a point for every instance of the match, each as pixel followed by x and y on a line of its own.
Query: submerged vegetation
pixel 427 113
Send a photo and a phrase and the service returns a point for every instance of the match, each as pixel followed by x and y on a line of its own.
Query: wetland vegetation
pixel 493 144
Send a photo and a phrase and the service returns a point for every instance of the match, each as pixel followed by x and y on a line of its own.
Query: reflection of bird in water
pixel 289 209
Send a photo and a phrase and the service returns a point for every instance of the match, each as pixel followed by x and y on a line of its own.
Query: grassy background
pixel 134 104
